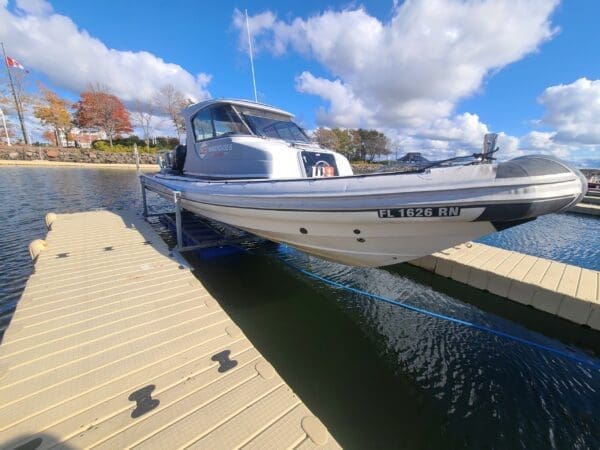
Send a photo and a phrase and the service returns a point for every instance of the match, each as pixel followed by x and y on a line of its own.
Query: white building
pixel 81 138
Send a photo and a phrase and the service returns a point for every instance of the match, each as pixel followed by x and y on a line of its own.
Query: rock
pixel 13 155
pixel 92 155
pixel 52 153
pixel 29 154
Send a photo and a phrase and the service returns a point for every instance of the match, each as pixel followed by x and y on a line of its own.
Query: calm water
pixel 379 376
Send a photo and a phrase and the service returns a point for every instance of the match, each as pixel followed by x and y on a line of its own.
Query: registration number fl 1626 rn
pixel 438 211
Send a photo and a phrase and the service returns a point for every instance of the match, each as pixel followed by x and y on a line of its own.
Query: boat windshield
pixel 267 124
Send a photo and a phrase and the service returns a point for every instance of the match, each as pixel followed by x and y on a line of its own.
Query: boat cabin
pixel 238 139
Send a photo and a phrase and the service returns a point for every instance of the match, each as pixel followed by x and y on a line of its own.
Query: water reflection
pixel 493 392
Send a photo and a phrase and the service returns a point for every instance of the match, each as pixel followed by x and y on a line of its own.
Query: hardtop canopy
pixel 193 109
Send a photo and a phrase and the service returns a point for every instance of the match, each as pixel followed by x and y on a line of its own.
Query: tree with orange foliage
pixel 100 110
pixel 54 113
pixel 50 136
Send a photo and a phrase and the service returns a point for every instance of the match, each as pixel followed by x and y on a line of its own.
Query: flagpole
pixel 17 104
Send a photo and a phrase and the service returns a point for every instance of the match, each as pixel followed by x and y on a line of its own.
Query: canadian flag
pixel 11 62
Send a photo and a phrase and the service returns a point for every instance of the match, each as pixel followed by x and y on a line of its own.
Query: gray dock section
pixel 114 344
pixel 570 292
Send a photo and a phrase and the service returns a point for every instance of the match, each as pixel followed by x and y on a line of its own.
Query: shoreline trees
pixel 171 102
pixel 143 115
pixel 355 144
pixel 53 112
pixel 100 110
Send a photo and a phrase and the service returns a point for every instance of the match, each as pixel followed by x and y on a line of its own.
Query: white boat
pixel 250 166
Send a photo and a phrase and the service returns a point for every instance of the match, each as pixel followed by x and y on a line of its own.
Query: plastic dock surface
pixel 114 344
pixel 586 208
pixel 570 292
pixel 590 204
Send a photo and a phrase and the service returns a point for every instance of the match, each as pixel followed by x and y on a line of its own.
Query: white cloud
pixel 510 146
pixel 72 59
pixel 405 76
pixel 573 110
pixel 413 68
pixel 572 123
pixel 465 129
pixel 545 142
pixel 259 25
pixel 346 110
pixel 34 7
pixel 538 140
pixel 454 136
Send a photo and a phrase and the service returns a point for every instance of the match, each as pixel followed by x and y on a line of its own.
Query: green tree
pixel 345 142
pixel 354 144
pixel 326 138
pixel 373 144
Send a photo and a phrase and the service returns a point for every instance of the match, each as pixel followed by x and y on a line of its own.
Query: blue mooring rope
pixel 567 355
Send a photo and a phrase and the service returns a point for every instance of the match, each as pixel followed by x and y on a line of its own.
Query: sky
pixel 433 75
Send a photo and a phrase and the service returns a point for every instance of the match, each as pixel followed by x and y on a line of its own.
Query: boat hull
pixel 383 219
pixel 355 238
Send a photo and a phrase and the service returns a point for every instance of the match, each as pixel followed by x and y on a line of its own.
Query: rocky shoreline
pixel 72 155
pixel 88 156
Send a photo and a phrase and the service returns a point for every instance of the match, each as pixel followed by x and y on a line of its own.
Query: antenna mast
pixel 251 57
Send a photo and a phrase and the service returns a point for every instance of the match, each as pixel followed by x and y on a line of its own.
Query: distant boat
pixel 410 161
pixel 414 158
pixel 249 165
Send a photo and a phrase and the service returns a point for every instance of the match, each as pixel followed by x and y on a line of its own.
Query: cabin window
pixel 217 121
pixel 202 125
pixel 226 121
pixel 267 124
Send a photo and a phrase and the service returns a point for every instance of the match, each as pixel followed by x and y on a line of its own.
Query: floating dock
pixel 590 204
pixel 116 344
pixel 586 208
pixel 567 291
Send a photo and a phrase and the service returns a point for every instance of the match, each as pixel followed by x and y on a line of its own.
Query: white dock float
pixel 114 344
pixel 590 204
pixel 586 208
pixel 567 291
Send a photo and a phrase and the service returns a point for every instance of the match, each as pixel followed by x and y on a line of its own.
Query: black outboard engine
pixel 177 158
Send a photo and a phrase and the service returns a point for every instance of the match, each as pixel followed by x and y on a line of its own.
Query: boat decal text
pixel 438 211
pixel 216 150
